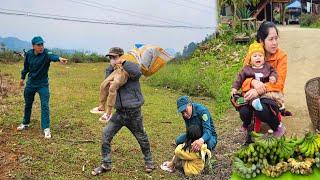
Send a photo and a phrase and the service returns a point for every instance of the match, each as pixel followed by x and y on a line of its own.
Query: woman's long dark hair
pixel 263 30
pixel 193 133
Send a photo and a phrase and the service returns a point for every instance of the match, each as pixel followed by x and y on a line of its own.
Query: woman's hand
pixel 259 86
pixel 251 94
pixel 272 79
pixel 233 91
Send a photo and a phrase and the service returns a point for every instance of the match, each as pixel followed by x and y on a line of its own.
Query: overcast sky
pixel 98 37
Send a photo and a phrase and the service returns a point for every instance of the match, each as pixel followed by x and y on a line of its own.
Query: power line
pixel 127 12
pixel 45 14
pixel 191 7
pixel 142 15
pixel 94 21
pixel 196 3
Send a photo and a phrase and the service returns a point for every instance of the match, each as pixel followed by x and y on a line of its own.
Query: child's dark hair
pixel 193 133
pixel 263 30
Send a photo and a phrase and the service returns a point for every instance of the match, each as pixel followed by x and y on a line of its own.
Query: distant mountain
pixel 15 44
pixel 171 51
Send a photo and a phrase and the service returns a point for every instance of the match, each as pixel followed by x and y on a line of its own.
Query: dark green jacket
pixel 37 66
pixel 202 117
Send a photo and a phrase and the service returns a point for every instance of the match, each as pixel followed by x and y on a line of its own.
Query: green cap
pixel 115 51
pixel 182 103
pixel 37 40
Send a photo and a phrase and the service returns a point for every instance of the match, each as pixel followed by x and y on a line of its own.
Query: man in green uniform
pixel 36 65
pixel 197 114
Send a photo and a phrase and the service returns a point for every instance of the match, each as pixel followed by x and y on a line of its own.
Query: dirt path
pixel 303 48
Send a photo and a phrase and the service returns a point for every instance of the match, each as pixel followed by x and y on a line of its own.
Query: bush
pixel 9 56
pixel 310 20
pixel 210 71
pixel 80 57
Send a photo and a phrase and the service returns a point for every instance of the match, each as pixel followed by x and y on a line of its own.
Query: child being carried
pixel 149 58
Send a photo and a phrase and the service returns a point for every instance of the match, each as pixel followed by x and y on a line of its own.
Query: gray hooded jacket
pixel 129 95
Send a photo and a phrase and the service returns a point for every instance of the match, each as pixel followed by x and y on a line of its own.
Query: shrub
pixel 9 56
pixel 208 72
pixel 309 20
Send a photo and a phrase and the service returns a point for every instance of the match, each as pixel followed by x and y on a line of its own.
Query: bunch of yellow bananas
pixel 301 167
pixel 317 159
pixel 276 170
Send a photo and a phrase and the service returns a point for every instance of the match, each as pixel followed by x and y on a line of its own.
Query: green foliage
pixel 8 56
pixel 208 72
pixel 80 57
pixel 244 13
pixel 310 20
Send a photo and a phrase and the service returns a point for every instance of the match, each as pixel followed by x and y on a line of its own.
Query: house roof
pixel 295 4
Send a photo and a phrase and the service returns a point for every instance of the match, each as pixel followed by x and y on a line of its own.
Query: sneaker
pixel 165 167
pixel 149 167
pixel 105 118
pixel 256 104
pixel 22 127
pixel 47 133
pixel 280 131
pixel 101 169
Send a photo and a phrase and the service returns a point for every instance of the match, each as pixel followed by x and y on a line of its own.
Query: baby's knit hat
pixel 255 47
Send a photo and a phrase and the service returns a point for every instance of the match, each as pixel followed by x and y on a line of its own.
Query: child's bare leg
pixel 108 110
pixel 171 164
pixel 104 92
pixel 120 78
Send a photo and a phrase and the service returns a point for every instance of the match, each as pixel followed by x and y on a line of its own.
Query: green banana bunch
pixel 285 149
pixel 246 170
pixel 310 144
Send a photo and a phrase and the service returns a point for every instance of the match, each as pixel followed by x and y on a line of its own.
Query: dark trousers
pixel 269 114
pixel 29 93
pixel 132 119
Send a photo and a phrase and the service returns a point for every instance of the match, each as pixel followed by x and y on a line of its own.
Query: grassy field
pixel 74 149
pixel 209 72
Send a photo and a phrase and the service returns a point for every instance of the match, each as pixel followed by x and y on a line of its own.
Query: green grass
pixel 209 72
pixel 74 91
pixel 315 25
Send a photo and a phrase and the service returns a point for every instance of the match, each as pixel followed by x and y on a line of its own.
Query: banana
pixel 256 135
pixel 311 149
pixel 308 150
pixel 317 141
pixel 251 148
pixel 314 147
pixel 303 147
